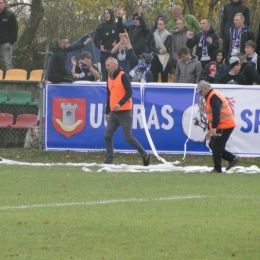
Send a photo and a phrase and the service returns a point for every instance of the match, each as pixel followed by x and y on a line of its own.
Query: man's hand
pixel 161 51
pixel 124 36
pixel 220 41
pixel 211 132
pixel 106 117
pixel 116 107
pixel 88 63
pixel 87 41
pixel 140 10
pixel 102 48
pixel 209 40
pixel 121 11
pixel 73 61
pixel 190 35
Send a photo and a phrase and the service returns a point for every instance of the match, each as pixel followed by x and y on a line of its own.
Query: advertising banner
pixel 74 118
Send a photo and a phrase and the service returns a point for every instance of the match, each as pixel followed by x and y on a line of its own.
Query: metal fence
pixel 20 114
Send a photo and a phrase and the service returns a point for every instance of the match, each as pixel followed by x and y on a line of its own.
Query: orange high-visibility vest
pixel 117 91
pixel 227 119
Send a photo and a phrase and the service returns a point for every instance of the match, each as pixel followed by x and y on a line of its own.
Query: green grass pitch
pixel 65 213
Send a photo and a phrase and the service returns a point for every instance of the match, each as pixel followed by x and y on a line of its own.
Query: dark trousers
pixel 217 144
pixel 103 58
pixel 156 67
pixel 123 119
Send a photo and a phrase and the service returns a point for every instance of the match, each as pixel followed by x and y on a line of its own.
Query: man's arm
pixel 13 29
pixel 215 103
pixel 128 89
pixel 192 41
pixel 177 73
pixel 108 101
pixel 143 26
pixel 97 39
pixel 215 43
pixel 78 46
pixel 195 25
pixel 198 71
pixel 247 16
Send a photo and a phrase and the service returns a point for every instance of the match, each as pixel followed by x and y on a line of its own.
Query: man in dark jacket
pixel 239 34
pixel 137 32
pixel 227 18
pixel 8 34
pixel 248 70
pixel 106 38
pixel 119 110
pixel 206 41
pixel 57 71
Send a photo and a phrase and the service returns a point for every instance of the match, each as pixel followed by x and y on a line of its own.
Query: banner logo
pixel 68 115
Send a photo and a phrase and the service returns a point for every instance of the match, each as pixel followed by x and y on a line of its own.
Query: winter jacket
pixel 150 33
pixel 191 21
pixel 249 72
pixel 107 32
pixel 179 39
pixel 195 40
pixel 227 18
pixel 137 36
pixel 188 72
pixel 167 44
pixel 222 69
pixel 8 27
pixel 57 71
pixel 246 35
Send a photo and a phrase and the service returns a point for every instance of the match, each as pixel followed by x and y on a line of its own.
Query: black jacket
pixel 246 35
pixel 137 36
pixel 167 44
pixel 8 27
pixel 107 32
pixel 127 86
pixel 229 12
pixel 196 40
pixel 250 73
pixel 57 71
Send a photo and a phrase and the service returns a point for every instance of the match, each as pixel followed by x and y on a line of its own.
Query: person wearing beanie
pixel 221 123
pixel 211 74
pixel 107 35
pixel 248 70
pixel 150 33
pixel 191 21
pixel 232 77
pixel 84 70
pixel 141 71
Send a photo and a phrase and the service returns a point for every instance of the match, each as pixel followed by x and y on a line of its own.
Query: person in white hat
pixel 221 124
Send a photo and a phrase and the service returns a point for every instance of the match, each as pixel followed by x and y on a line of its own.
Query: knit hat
pixel 201 85
pixel 147 57
pixel 233 61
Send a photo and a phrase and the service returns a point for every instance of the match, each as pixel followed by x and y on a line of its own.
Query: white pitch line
pixel 99 202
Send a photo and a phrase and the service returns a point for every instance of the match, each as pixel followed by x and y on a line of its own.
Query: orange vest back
pixel 117 91
pixel 227 119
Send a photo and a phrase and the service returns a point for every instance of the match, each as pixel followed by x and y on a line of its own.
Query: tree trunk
pixel 211 8
pixel 25 41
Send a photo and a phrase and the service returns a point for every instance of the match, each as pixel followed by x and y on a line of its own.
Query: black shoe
pixel 213 171
pixel 107 162
pixel 146 160
pixel 232 163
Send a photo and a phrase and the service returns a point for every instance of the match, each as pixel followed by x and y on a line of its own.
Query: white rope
pixel 142 87
pixel 191 120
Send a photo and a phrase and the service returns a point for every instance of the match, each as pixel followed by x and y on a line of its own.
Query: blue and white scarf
pixel 236 36
pixel 204 47
pixel 140 78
